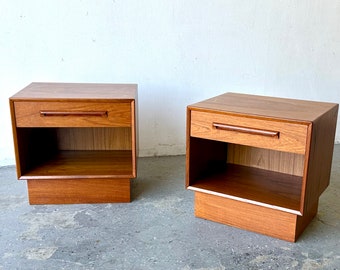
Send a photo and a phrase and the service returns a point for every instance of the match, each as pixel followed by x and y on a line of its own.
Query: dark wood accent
pixel 254 131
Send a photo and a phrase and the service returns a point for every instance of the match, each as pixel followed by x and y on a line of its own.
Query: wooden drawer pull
pixel 254 131
pixel 56 113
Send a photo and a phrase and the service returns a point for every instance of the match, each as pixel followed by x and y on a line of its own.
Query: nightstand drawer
pixel 270 134
pixel 72 114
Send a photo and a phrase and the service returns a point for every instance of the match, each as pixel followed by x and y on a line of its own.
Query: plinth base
pixel 267 221
pixel 76 191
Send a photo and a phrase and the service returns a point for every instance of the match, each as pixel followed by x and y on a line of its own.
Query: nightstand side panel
pixel 320 156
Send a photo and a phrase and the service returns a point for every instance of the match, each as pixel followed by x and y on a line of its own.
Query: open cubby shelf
pixel 80 164
pixel 257 186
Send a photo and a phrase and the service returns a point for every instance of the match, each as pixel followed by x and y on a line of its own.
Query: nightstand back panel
pixel 94 138
pixel 277 161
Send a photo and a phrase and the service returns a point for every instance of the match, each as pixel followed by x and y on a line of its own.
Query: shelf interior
pixel 254 175
pixel 72 153
pixel 253 185
pixel 88 164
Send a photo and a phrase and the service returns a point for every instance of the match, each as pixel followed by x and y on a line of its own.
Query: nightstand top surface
pixel 76 91
pixel 265 106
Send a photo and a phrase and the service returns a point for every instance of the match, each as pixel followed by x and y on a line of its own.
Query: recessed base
pixel 267 221
pixel 76 191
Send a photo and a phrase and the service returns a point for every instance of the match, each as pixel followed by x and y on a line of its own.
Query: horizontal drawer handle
pixel 73 113
pixel 253 131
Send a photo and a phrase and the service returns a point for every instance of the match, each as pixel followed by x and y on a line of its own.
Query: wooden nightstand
pixel 259 163
pixel 75 143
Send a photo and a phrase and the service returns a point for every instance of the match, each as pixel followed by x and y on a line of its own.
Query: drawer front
pixel 263 133
pixel 72 114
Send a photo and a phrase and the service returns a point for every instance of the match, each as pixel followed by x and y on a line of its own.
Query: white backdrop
pixel 178 52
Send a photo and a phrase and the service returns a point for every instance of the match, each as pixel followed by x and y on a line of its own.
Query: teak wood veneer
pixel 75 142
pixel 259 163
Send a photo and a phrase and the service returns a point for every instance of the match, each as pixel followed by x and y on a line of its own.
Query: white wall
pixel 179 52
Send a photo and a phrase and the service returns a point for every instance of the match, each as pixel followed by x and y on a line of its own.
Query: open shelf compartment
pixel 257 186
pixel 84 164
pixel 257 176
pixel 75 153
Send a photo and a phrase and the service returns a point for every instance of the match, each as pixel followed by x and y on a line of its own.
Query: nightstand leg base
pixel 267 221
pixel 77 191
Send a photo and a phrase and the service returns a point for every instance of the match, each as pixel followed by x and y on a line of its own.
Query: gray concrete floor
pixel 157 230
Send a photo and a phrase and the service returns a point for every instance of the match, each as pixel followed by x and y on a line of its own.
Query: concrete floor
pixel 157 230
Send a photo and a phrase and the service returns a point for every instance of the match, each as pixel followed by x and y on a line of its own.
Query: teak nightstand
pixel 259 163
pixel 75 143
